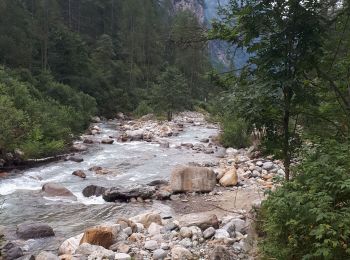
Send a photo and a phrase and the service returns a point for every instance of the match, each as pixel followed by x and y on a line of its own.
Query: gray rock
pixel 186 242
pixel 93 190
pixel 11 251
pixel 34 230
pixel 209 232
pixel 221 234
pixel 46 256
pixel 75 159
pixel 128 231
pixel 125 194
pixel 151 245
pixel 159 254
pixel 237 224
pixel 192 179
pixel 268 166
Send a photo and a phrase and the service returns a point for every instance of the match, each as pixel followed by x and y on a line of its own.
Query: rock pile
pixel 148 236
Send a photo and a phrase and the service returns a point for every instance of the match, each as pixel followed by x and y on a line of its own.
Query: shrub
pixel 143 109
pixel 235 132
pixel 309 217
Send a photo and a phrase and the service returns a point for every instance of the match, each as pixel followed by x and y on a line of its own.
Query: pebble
pixel 209 232
pixel 159 254
pixel 122 256
pixel 151 245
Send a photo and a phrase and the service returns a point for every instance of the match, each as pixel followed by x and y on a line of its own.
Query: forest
pixel 63 62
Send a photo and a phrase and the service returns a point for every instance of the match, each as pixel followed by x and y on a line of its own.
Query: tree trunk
pixel 286 137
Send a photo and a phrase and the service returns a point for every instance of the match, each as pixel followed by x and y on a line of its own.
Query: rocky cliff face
pixel 195 6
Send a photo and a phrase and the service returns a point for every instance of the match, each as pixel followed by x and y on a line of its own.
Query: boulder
pixel 192 179
pixel 147 219
pixel 52 189
pixel 100 236
pixel 209 232
pixel 107 141
pixel 125 194
pixel 204 140
pixel 88 249
pixel 79 173
pixel 155 229
pixel 46 256
pixel 221 234
pixel 34 230
pixel 79 147
pixel 268 166
pixel 159 254
pixel 230 178
pixel 181 253
pixel 11 251
pixel 93 190
pixel 236 225
pixel 185 232
pixel 69 246
pixel 135 135
pixel 99 170
pixel 151 245
pixel 201 220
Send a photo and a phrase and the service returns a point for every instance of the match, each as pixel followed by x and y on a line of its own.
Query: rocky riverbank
pixel 212 202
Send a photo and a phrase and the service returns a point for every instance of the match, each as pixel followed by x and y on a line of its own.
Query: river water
pixel 133 163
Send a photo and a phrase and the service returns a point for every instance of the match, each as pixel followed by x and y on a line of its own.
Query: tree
pixel 285 41
pixel 171 92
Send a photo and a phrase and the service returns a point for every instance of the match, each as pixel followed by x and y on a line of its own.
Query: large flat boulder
pixel 34 230
pixel 202 220
pixel 52 189
pixel 125 194
pixel 192 179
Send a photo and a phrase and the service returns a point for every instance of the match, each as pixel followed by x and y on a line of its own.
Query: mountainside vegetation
pixel 295 92
pixel 65 61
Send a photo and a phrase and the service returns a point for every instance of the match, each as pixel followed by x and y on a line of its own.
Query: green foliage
pixel 143 109
pixel 235 132
pixel 309 218
pixel 171 92
pixel 40 122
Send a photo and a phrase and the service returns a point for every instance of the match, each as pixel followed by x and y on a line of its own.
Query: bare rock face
pixel 100 236
pixel 190 5
pixel 192 179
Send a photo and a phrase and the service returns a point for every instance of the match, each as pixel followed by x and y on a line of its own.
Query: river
pixel 132 162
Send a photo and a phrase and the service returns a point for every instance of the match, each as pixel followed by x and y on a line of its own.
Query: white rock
pixel 154 229
pixel 151 245
pixel 127 231
pixel 221 234
pixel 139 228
pixel 185 232
pixel 46 256
pixel 69 246
pixel 186 242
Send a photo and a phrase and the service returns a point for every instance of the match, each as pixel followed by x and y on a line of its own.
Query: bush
pixel 143 109
pixel 235 132
pixel 309 217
